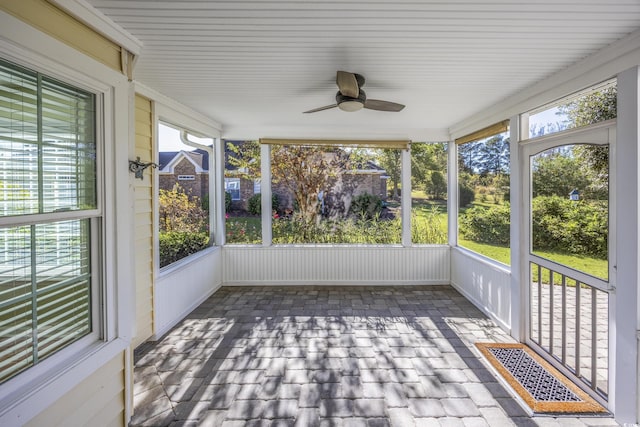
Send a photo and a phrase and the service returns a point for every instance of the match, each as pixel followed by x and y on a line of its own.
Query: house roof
pixel 254 67
pixel 198 157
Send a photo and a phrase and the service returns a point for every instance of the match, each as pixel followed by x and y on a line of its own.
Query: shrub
pixel 179 212
pixel 559 224
pixel 486 225
pixel 175 245
pixel 204 202
pixel 436 185
pixel 566 226
pixel 227 201
pixel 254 204
pixel 366 206
pixel 465 195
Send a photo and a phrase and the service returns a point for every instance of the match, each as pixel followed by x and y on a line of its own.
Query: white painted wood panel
pixel 352 265
pixel 484 284
pixel 185 285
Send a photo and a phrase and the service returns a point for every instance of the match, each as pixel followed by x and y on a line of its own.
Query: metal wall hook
pixel 138 167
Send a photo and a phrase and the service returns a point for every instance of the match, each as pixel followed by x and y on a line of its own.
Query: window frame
pixel 25 395
pixel 168 114
pixel 484 134
pixel 404 147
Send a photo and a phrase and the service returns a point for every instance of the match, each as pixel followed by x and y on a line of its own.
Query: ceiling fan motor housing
pixel 347 103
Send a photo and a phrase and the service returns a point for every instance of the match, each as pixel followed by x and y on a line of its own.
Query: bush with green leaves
pixel 559 225
pixel 436 185
pixel 175 245
pixel 227 201
pixel 366 206
pixel 254 204
pixel 486 225
pixel 466 195
pixel 574 227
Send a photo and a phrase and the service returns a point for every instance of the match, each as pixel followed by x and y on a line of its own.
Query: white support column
pixel 518 228
pixel 624 301
pixel 217 193
pixel 265 190
pixel 452 194
pixel 406 197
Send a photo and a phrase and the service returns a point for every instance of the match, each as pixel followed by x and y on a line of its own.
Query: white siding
pixel 282 265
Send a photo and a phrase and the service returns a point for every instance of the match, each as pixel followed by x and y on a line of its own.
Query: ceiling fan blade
pixel 376 104
pixel 347 84
pixel 326 107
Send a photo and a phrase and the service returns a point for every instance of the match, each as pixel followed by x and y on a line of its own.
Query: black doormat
pixel 541 386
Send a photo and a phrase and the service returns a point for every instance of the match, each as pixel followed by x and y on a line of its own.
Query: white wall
pixel 484 283
pixel 183 286
pixel 335 264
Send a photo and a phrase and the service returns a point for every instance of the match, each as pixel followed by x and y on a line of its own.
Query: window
pixel 183 196
pixel 593 105
pixel 49 217
pixel 243 202
pixel 429 193
pixel 232 186
pixel 336 194
pixel 570 208
pixel 483 193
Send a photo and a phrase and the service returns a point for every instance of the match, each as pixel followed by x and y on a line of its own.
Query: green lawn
pixel 592 266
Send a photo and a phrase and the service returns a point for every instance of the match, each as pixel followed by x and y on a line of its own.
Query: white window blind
pixel 47 167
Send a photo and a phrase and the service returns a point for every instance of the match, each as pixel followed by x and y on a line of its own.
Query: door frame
pixel 603 133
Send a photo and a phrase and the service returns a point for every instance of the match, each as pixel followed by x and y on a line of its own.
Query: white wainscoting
pixel 335 265
pixel 184 286
pixel 485 284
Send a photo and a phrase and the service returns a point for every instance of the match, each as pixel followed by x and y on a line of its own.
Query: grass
pixel 592 266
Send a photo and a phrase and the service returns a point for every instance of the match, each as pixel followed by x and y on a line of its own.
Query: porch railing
pixel 569 321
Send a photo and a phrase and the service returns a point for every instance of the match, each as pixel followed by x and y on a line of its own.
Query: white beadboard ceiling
pixel 255 66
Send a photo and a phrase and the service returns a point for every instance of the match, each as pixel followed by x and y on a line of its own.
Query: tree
pixel 305 172
pixel 557 174
pixel 391 161
pixel 494 156
pixel 244 157
pixel 485 156
pixel 427 158
pixel 436 186
pixel 593 108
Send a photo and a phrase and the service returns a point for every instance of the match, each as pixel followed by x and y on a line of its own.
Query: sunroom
pixel 198 190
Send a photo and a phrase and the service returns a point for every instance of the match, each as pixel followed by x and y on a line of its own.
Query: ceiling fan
pixel 351 97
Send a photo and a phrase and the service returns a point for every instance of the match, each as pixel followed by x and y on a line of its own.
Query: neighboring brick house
pixel 189 169
pixel 369 178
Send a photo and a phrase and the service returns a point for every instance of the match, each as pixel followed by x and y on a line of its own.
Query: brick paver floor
pixel 328 356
